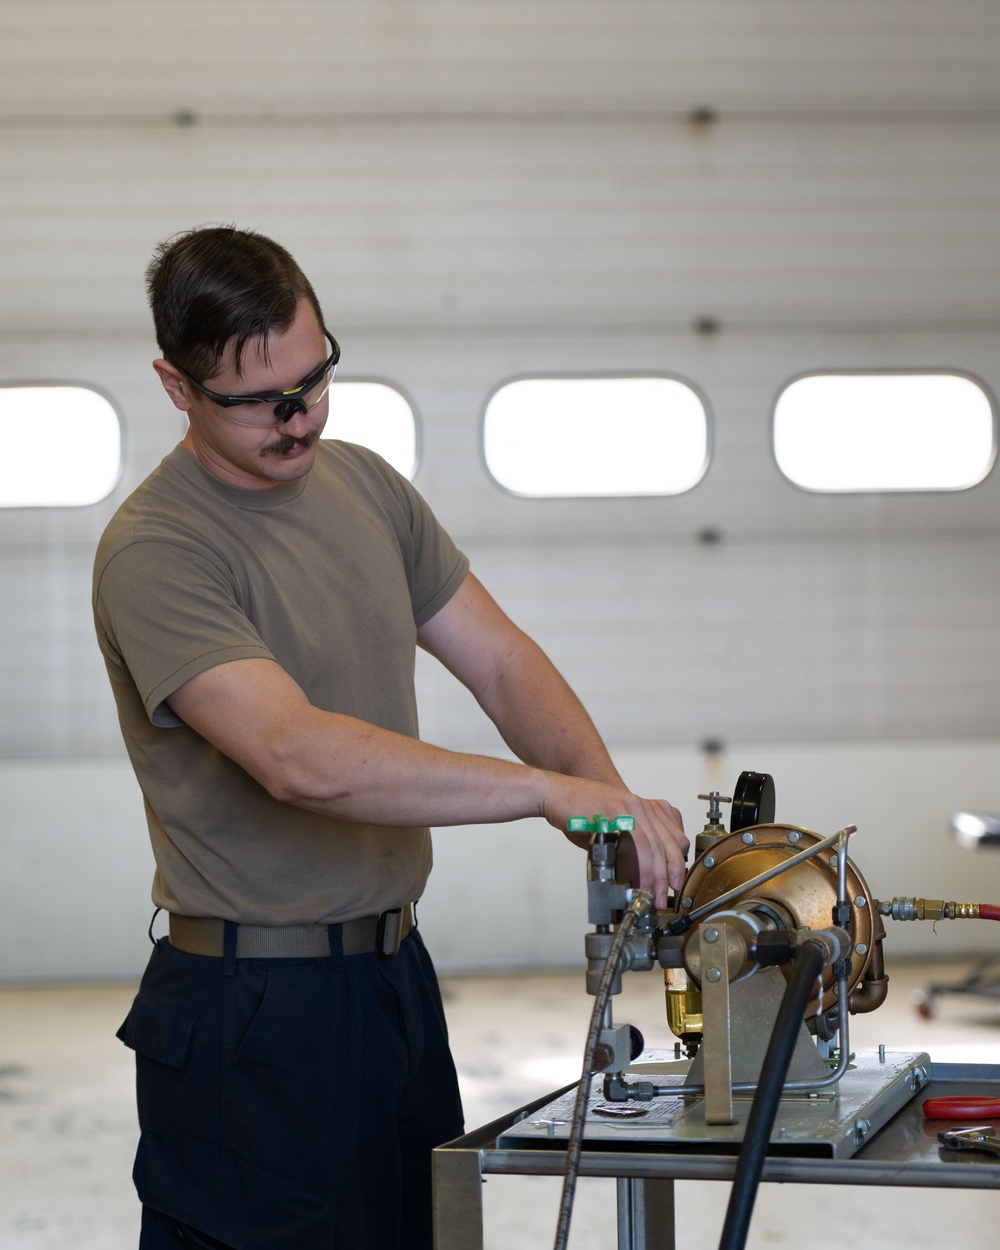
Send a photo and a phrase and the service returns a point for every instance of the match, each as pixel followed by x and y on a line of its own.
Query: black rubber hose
pixel 809 960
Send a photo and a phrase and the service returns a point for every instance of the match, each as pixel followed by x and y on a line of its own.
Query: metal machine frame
pixel 905 1153
pixel 761 902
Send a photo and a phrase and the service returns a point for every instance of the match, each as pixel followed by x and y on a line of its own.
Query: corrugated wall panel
pixel 462 226
pixel 112 56
pixel 481 191
pixel 811 618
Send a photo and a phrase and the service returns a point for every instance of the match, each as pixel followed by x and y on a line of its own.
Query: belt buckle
pixel 384 949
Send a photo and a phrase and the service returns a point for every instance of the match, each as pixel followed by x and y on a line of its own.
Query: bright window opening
pixel 884 432
pixel 376 416
pixel 83 447
pixel 596 436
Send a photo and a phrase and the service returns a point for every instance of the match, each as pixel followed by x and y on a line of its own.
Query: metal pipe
pixel 842 872
pixel 871 991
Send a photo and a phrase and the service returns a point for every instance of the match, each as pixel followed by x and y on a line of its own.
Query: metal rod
pixel 842 871
pixel 738 891
pixel 845 1045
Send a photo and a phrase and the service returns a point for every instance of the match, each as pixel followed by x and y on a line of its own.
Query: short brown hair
pixel 215 285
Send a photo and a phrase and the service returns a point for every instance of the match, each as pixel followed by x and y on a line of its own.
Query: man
pixel 258 601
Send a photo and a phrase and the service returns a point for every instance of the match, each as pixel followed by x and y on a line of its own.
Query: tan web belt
pixel 379 935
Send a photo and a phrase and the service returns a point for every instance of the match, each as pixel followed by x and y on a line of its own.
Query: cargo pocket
pixel 166 1078
pixel 156 1032
pixel 220 1194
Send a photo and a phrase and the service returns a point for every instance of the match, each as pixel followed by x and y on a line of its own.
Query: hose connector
pixel 640 902
pixel 901 908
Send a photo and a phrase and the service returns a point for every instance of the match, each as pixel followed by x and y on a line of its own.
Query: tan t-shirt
pixel 331 576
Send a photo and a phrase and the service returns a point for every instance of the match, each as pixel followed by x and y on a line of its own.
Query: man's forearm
pixel 516 684
pixel 328 762
pixel 355 771
pixel 542 720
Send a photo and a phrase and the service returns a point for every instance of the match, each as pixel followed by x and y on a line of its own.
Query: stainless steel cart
pixel 906 1152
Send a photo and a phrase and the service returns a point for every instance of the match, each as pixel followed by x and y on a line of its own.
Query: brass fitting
pixel 927 909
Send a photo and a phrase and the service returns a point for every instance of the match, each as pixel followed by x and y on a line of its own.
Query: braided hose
pixel 641 904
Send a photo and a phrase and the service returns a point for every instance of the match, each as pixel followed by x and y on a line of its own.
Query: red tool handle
pixel 969 1108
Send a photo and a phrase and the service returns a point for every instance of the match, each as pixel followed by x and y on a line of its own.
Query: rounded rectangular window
pixel 591 436
pixel 378 417
pixel 905 431
pixel 83 446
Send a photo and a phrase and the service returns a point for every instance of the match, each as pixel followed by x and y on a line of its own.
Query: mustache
pixel 287 441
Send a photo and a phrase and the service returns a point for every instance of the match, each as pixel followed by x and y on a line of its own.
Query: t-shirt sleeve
pixel 166 614
pixel 438 567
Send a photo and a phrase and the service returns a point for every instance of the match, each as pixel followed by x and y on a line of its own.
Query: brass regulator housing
pixel 801 898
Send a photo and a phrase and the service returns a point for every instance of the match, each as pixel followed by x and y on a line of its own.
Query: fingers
pixel 660 842
pixel 661 846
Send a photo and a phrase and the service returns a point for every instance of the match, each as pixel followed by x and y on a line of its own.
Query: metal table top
pixel 905 1152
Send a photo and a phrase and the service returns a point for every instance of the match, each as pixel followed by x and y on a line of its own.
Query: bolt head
pixel 862 948
pixel 713 974
pixel 794 836
pixel 711 935
pixel 709 861
pixel 747 839
pixel 861 901
pixel 687 902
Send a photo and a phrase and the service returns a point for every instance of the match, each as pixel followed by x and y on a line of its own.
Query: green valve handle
pixel 601 824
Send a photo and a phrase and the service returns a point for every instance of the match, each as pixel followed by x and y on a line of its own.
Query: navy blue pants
pixel 290 1102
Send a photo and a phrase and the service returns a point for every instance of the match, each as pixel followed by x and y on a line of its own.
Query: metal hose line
pixel 640 905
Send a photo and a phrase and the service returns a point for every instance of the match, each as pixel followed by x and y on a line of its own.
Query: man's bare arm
pixel 516 684
pixel 542 720
pixel 255 713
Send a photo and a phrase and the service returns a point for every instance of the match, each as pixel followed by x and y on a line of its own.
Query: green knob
pixel 601 824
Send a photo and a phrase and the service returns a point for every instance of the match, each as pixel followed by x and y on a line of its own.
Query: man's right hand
pixel 660 842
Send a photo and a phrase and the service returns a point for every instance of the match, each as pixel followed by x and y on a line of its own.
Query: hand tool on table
pixel 981 1138
pixel 967 1107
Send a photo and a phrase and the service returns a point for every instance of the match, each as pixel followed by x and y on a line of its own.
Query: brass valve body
pixel 801 898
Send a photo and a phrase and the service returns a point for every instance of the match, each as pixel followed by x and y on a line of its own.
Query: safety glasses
pixel 276 407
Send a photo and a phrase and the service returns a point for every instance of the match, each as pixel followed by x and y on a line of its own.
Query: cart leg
pixel 458 1200
pixel 645 1214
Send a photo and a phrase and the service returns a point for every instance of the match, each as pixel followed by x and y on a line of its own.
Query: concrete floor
pixel 67 1123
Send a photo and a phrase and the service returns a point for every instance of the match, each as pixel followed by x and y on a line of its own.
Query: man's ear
pixel 174 384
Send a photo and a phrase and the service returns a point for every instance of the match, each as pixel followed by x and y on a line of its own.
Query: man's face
pixel 250 455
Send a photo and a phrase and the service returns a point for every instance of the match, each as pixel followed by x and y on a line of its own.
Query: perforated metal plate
pixel 826 1124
